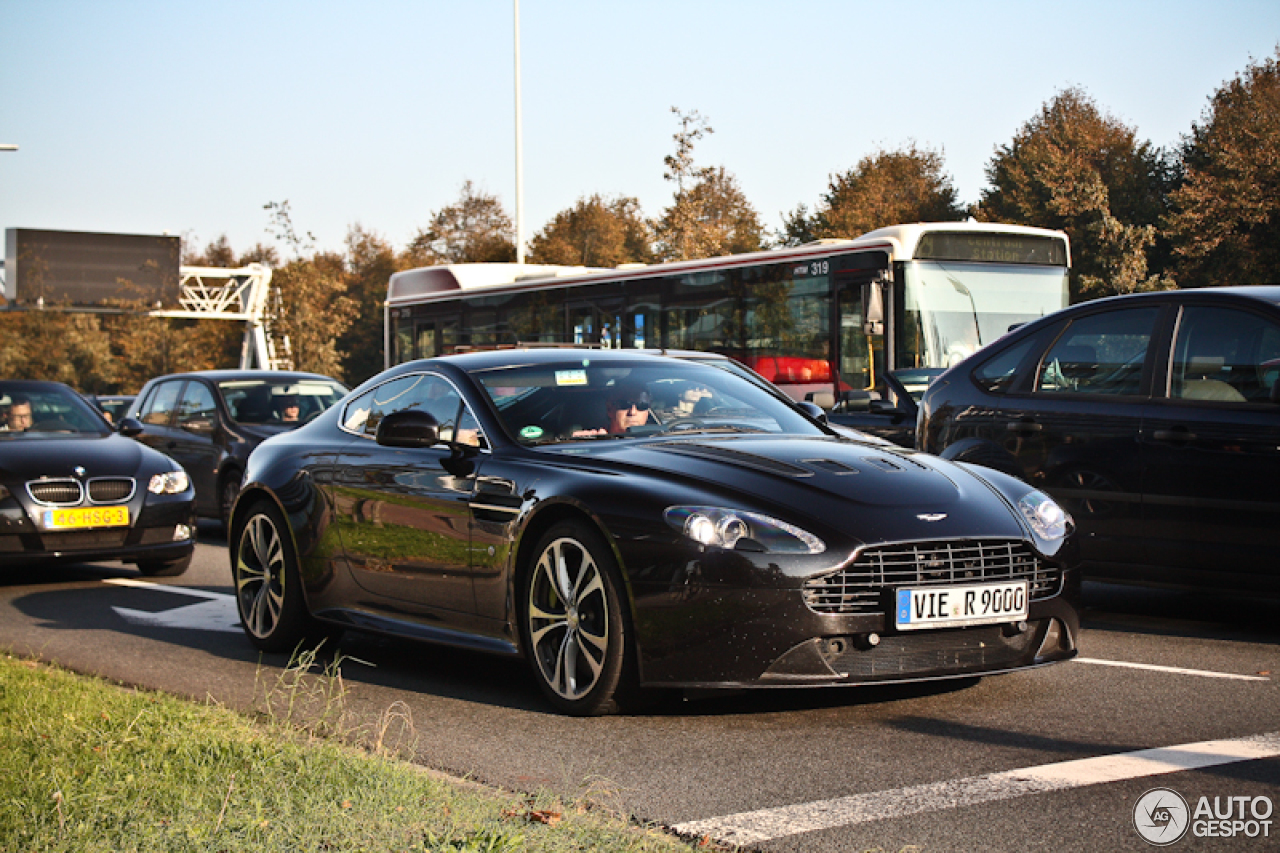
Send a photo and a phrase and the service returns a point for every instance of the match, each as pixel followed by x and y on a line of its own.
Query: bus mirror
pixel 872 309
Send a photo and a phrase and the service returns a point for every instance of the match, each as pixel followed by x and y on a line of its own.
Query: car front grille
pixel 861 586
pixel 56 492
pixel 110 489
pixel 68 492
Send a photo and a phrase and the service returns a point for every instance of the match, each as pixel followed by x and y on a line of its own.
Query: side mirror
pixel 813 410
pixel 410 428
pixel 855 401
pixel 130 428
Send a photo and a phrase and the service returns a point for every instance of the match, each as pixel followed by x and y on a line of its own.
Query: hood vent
pixel 831 466
pixel 736 457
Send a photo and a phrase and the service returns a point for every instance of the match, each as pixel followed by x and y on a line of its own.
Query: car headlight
pixel 1049 521
pixel 169 483
pixel 747 531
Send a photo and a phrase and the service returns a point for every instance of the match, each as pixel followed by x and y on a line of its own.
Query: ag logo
pixel 1161 816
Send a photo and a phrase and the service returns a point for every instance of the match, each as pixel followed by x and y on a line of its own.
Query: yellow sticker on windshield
pixel 571 377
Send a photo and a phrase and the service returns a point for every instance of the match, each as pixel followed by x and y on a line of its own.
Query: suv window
pixel 1100 354
pixel 1224 355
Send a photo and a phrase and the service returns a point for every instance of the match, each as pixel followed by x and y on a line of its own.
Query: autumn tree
pixel 884 188
pixel 1225 218
pixel 475 229
pixel 595 232
pixel 218 253
pixel 370 263
pixel 709 215
pixel 1075 169
pixel 316 310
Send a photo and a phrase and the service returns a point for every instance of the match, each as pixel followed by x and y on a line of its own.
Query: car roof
pixel 232 374
pixel 550 355
pixel 36 385
pixel 1260 292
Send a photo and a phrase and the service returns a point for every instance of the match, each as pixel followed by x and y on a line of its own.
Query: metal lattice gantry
pixel 244 294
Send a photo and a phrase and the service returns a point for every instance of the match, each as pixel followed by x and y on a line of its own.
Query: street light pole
pixel 519 151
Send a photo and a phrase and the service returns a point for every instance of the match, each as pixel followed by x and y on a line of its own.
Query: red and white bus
pixel 816 320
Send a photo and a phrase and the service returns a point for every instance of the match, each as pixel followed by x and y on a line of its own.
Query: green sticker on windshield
pixel 531 432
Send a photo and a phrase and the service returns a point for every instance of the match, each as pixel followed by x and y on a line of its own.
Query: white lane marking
pixel 164 587
pixel 1204 673
pixel 217 613
pixel 766 824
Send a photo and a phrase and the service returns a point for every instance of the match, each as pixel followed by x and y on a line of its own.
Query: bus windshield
pixel 953 308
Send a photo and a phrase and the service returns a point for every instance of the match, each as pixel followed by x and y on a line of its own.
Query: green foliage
pixel 1075 169
pixel 1225 220
pixel 595 232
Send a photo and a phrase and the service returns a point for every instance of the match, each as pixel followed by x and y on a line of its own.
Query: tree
pixel 315 311
pixel 219 253
pixel 1225 218
pixel 709 215
pixel 884 188
pixel 370 263
pixel 476 229
pixel 595 233
pixel 1075 169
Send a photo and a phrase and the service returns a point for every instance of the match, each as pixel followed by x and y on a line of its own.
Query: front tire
pixel 268 586
pixel 573 623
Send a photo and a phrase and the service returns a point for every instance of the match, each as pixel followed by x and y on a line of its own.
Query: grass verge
pixel 86 765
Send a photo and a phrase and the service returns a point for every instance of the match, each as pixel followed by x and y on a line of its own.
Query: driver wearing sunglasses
pixel 626 406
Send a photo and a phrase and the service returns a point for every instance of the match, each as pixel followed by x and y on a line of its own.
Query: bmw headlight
pixel 748 531
pixel 169 483
pixel 1048 520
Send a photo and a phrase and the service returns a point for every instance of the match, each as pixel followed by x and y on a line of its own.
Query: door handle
pixel 1180 434
pixel 1023 426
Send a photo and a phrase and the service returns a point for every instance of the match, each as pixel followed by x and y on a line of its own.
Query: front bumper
pixel 719 638
pixel 149 538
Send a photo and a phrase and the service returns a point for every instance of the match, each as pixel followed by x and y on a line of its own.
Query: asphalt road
pixel 971 765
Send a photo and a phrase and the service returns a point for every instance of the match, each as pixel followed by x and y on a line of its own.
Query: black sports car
pixel 628 521
pixel 72 490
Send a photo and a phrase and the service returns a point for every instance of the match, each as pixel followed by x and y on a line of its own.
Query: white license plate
pixel 956 606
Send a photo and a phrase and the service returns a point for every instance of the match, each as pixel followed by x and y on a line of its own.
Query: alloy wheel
pixel 260 576
pixel 568 618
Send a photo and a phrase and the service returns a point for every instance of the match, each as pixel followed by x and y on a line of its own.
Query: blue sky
pixel 187 118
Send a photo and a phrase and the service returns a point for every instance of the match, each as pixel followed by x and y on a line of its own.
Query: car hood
pixel 56 456
pixel 832 480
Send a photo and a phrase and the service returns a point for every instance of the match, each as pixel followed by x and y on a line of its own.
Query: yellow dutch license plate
pixel 82 517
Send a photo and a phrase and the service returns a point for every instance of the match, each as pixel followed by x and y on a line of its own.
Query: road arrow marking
pixel 216 613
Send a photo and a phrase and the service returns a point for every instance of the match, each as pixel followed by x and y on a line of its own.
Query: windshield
pixel 45 412
pixel 279 401
pixel 953 308
pixel 589 399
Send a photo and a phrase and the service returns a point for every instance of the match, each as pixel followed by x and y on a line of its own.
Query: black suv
pixel 1154 418
pixel 210 420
